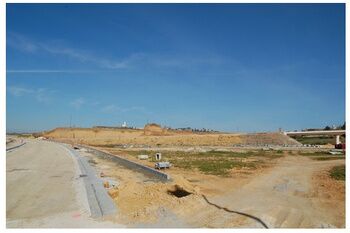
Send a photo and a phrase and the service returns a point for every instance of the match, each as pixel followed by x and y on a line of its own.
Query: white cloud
pixel 22 43
pixel 94 103
pixel 134 108
pixel 42 95
pixel 19 42
pixel 19 91
pixel 49 71
pixel 113 108
pixel 109 108
pixel 77 103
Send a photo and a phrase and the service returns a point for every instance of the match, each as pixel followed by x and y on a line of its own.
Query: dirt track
pixel 289 196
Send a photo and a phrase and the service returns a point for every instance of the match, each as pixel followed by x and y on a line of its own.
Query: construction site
pixel 224 115
pixel 158 177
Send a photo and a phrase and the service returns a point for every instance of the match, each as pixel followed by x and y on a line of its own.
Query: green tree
pixel 343 126
pixel 327 128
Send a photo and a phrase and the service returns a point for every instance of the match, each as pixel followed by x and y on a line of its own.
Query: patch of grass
pixel 92 161
pixel 321 155
pixel 211 162
pixel 316 153
pixel 271 154
pixel 217 162
pixel 338 172
pixel 323 158
pixel 112 145
pixel 223 167
pixel 317 140
pixel 215 167
pixel 25 135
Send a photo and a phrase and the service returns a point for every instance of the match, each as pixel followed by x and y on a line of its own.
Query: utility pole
pixel 70 121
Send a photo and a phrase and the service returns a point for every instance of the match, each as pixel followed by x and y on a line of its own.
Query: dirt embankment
pixel 153 135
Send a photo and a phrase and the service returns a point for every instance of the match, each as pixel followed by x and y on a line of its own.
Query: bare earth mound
pixel 154 135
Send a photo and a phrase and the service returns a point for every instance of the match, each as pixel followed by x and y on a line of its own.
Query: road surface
pixel 43 188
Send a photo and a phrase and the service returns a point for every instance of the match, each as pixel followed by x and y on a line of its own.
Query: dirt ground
pixel 329 194
pixel 292 192
pixel 142 137
pixel 289 195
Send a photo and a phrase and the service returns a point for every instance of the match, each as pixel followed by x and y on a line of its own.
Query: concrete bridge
pixel 336 133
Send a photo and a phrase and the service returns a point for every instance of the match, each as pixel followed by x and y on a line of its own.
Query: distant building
pixel 124 125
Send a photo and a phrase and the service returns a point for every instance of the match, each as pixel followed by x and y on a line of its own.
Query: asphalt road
pixel 43 188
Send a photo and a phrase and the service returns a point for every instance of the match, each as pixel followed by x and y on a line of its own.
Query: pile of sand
pixel 146 202
pixel 154 130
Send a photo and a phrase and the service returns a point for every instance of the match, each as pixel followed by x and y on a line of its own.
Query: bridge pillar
pixel 337 140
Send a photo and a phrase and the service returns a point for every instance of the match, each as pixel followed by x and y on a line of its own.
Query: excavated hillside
pixel 154 136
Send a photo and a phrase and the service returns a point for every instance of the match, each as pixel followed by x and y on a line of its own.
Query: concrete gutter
pixel 100 203
pixel 129 164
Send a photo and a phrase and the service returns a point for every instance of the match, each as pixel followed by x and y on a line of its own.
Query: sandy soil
pixel 291 193
pixel 329 195
pixel 107 136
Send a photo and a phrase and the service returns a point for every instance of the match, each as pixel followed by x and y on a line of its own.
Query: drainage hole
pixel 179 192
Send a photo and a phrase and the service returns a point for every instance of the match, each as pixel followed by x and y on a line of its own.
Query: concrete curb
pixel 129 164
pixel 100 202
pixel 14 147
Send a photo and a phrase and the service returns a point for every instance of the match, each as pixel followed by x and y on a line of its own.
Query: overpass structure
pixel 336 133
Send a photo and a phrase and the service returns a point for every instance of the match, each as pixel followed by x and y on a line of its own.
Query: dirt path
pixel 285 196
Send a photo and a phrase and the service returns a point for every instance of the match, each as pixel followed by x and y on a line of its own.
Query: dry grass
pixel 321 156
pixel 213 162
pixel 338 172
pixel 117 137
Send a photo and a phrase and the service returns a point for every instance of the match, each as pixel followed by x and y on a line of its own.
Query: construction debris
pixel 158 156
pixel 113 193
pixel 106 184
pixel 143 157
pixel 334 152
pixel 161 165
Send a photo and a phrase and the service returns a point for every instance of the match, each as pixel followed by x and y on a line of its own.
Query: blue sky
pixel 230 67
